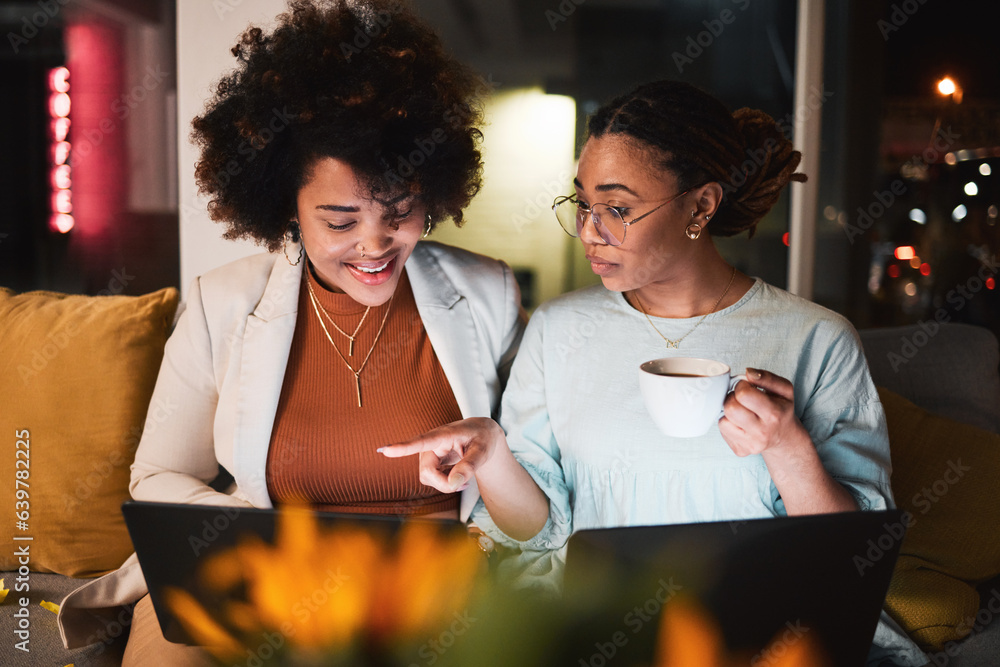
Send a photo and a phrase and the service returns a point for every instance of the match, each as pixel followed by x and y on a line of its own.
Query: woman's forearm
pixel 802 482
pixel 515 502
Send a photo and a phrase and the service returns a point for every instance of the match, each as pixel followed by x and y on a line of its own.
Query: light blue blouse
pixel 575 418
pixel 576 421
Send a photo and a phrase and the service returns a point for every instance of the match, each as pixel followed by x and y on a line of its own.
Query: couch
pixel 78 373
pixel 945 590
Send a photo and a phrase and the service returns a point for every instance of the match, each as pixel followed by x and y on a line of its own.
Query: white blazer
pixel 217 392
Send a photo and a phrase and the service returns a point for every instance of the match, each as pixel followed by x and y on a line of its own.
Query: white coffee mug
pixel 684 395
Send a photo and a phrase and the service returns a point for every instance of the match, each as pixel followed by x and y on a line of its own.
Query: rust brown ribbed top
pixel 322 444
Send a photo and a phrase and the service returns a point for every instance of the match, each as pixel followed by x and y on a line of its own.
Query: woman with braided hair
pixel 805 433
pixel 664 169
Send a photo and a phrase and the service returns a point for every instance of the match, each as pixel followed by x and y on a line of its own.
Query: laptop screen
pixel 760 582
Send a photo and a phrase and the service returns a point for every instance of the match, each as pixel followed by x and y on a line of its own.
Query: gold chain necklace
pixel 351 336
pixel 673 344
pixel 357 373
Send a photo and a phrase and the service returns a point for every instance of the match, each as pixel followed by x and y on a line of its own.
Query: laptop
pixel 172 540
pixel 765 582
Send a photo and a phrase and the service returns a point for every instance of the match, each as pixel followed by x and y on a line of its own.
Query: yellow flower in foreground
pixel 689 637
pixel 426 581
pixel 326 590
pixel 202 628
pixel 313 587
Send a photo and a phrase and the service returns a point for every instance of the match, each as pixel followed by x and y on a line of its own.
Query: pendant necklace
pixel 350 336
pixel 357 373
pixel 673 344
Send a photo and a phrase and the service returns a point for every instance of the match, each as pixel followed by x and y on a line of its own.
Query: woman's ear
pixel 708 198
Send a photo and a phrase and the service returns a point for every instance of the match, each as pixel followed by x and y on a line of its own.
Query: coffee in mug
pixel 684 395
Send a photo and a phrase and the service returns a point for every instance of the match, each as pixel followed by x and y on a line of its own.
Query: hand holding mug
pixel 761 415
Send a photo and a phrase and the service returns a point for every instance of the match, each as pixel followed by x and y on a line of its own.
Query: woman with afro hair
pixel 341 138
pixel 664 169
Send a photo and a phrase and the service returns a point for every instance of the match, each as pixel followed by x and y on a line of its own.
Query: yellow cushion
pixel 77 373
pixel 947 476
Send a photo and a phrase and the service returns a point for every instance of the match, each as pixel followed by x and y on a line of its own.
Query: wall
pixel 205 33
pixel 528 153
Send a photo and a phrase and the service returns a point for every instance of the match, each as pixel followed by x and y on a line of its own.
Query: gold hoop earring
pixel 427 226
pixel 693 231
pixel 292 233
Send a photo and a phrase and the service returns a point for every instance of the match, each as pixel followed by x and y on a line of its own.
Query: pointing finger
pixel 423 443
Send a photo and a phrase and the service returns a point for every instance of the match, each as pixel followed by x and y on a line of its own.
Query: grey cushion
pixel 950 371
pixel 45 645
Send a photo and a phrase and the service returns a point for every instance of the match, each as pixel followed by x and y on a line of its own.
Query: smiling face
pixel 338 223
pixel 614 171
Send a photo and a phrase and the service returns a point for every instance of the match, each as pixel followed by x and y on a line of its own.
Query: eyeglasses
pixel 608 220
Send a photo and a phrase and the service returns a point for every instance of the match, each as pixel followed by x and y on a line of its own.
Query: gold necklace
pixel 672 344
pixel 357 373
pixel 351 336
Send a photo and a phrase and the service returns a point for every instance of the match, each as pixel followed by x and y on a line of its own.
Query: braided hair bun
pixel 700 141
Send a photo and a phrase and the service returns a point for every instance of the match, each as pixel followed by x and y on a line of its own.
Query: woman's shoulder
pixel 240 285
pixel 582 300
pixel 800 317
pixel 451 258
pixel 571 309
pixel 442 270
pixel 259 264
pixel 793 306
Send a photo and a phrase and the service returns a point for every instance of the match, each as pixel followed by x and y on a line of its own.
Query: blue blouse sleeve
pixel 525 419
pixel 844 417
